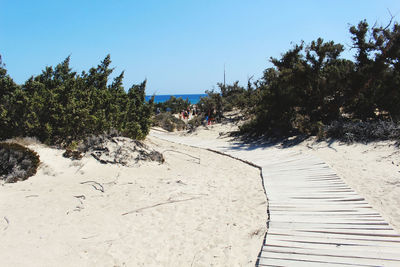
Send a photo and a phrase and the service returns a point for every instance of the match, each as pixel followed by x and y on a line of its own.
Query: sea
pixel 193 98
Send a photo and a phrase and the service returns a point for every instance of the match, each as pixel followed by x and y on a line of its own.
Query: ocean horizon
pixel 192 98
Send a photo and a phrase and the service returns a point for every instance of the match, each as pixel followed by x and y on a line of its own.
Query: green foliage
pixel 173 105
pixel 311 86
pixel 376 77
pixel 304 89
pixel 236 96
pixel 10 101
pixel 231 96
pixel 60 106
pixel 168 122
pixel 211 105
pixel 195 122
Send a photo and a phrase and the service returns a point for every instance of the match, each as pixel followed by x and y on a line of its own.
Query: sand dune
pixel 197 209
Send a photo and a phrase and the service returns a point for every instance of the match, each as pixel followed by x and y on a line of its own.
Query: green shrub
pixel 173 105
pixel 311 86
pixel 195 122
pixel 17 163
pixel 60 106
pixel 168 122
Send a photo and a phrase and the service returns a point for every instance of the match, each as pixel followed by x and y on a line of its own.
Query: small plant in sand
pixel 72 152
pixel 17 163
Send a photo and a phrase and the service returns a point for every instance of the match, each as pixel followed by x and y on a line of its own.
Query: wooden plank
pixel 328 258
pixel 289 260
pixel 328 226
pixel 335 251
pixel 348 246
pixel 335 239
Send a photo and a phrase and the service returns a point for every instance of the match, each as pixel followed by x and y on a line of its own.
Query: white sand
pixel 197 209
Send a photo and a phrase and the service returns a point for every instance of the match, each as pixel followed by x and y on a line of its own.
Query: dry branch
pixel 171 150
pixel 32 196
pixel 159 204
pixel 95 185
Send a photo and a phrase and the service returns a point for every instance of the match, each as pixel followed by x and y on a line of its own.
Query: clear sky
pixel 180 46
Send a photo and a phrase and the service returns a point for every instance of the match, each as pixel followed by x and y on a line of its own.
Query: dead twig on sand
pixel 159 204
pixel 80 168
pixel 32 196
pixel 89 237
pixel 80 198
pixel 171 150
pixel 8 223
pixel 95 185
pixel 193 259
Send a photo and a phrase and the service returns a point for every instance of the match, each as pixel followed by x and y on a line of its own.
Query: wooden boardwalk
pixel 315 219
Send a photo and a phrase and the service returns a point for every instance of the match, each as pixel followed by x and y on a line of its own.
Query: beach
pixel 135 134
pixel 198 208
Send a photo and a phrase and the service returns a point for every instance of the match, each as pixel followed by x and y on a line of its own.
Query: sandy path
pixel 197 209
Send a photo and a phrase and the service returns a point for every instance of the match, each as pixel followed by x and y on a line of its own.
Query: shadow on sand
pixel 252 142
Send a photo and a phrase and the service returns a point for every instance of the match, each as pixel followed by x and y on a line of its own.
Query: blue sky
pixel 179 46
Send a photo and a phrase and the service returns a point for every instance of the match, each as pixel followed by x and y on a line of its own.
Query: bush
pixel 60 106
pixel 361 131
pixel 195 122
pixel 311 85
pixel 211 105
pixel 17 163
pixel 168 122
pixel 173 105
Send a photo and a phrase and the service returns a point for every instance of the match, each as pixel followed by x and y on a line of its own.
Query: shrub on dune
pixel 17 163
